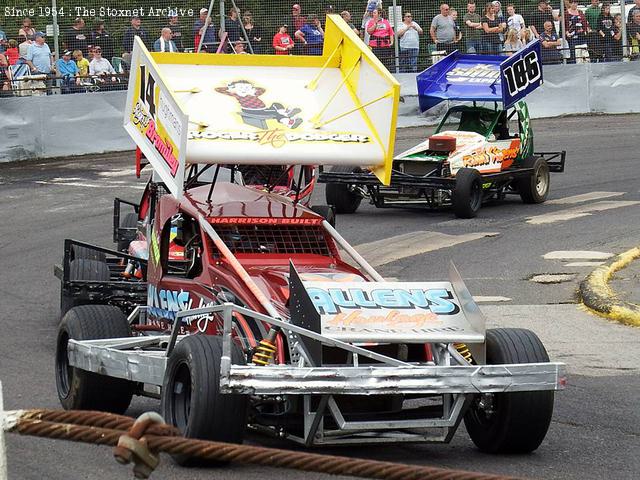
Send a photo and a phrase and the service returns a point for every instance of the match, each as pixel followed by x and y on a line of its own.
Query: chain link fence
pixel 407 35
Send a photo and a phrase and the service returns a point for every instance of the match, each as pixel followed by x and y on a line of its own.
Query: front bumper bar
pixel 369 380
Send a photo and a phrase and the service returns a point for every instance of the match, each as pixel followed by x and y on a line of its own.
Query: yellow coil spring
pixel 464 351
pixel 264 352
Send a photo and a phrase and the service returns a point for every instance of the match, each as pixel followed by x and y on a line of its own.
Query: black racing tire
pixel 519 421
pixel 466 197
pixel 84 253
pixel 130 220
pixel 342 196
pixel 83 269
pixel 82 390
pixel 534 188
pixel 326 211
pixel 191 398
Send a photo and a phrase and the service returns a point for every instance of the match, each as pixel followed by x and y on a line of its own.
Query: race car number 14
pixel 522 73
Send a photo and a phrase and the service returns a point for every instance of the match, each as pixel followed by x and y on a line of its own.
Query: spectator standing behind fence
pixel 39 56
pixel 76 38
pixel 514 20
pixel 635 8
pixel 576 27
pixel 539 16
pixel 23 47
pixel 232 26
pixel 550 41
pixel 134 30
pixel 472 28
pixel 617 38
pixel 311 35
pixel 409 37
pixel 12 52
pixel 165 43
pixel 526 36
pixel 593 13
pixel 254 32
pixel 456 27
pixel 366 17
pixel 102 38
pixel 27 30
pixel 492 28
pixel 346 16
pixel 633 31
pixel 443 30
pixel 381 38
pixel 606 33
pixel 297 21
pixel 512 42
pixel 204 30
pixel 176 30
pixel 82 63
pixel 282 43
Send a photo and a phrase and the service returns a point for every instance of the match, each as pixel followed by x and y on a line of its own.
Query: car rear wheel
pixel 83 269
pixel 84 253
pixel 511 422
pixel 191 398
pixel 82 390
pixel 466 197
pixel 535 188
pixel 346 198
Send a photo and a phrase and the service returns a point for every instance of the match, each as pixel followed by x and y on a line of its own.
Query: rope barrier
pixel 141 440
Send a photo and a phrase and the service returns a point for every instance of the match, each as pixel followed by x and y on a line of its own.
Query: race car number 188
pixel 522 73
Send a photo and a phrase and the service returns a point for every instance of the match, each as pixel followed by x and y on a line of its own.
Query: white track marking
pixel 407 245
pixel 88 185
pixel 576 255
pixel 550 278
pixel 580 211
pixel 490 299
pixel 118 173
pixel 584 197
pixel 583 264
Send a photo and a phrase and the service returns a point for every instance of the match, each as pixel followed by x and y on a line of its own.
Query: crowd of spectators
pixel 94 54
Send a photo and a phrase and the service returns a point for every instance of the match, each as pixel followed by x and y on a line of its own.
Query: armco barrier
pixel 60 125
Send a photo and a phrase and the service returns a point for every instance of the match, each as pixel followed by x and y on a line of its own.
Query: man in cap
pixel 203 30
pixel 68 70
pixel 39 56
pixel 176 30
pixel 282 41
pixel 135 30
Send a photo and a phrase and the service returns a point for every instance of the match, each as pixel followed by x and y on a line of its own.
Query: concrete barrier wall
pixel 61 125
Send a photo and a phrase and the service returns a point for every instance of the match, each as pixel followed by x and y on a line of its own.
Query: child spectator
pixel 238 48
pixel 550 42
pixel 82 63
pixel 514 20
pixel 282 42
pixel 12 52
pixel 512 43
pixel 311 35
pixel 381 38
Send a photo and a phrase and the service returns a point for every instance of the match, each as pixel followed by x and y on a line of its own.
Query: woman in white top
pixel 409 34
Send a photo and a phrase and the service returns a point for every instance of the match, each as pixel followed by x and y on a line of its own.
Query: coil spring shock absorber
pixel 464 351
pixel 266 348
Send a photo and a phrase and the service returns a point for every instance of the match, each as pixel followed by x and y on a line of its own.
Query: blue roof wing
pixel 481 78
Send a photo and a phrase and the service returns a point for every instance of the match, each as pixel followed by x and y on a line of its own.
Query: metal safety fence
pixel 407 35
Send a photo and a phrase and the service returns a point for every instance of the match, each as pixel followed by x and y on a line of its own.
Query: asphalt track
pixel 596 427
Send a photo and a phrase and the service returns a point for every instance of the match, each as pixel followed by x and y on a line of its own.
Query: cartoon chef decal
pixel 254 112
